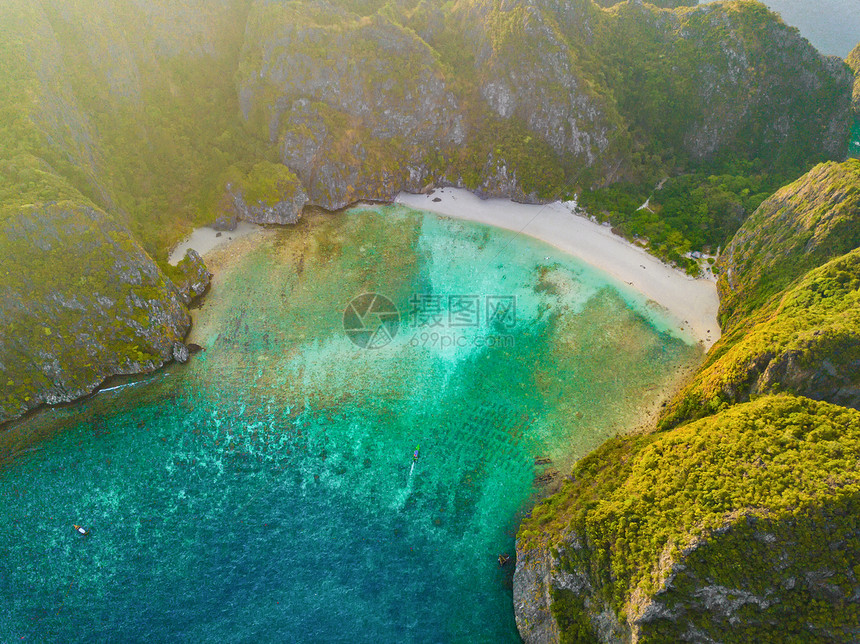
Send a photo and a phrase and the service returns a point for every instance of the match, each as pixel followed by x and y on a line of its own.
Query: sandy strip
pixel 693 303
pixel 206 239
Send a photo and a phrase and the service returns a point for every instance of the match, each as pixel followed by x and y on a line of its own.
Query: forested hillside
pixel 733 520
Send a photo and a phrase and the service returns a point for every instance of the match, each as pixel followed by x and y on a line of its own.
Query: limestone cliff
pixel 720 531
pixel 522 100
pixel 853 61
pixel 803 225
pixel 354 109
pixel 80 300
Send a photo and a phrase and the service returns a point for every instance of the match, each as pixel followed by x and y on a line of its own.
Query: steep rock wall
pixel 661 539
pixel 80 301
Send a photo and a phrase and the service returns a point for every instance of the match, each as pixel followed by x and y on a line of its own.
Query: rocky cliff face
pixel 853 61
pixel 80 301
pixel 355 109
pixel 686 536
pixel 526 68
pixel 519 100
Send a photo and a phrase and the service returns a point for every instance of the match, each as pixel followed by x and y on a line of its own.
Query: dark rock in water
pixel 547 477
pixel 218 234
pixel 436 200
pixel 194 348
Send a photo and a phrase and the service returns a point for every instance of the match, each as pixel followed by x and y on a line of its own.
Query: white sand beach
pixel 206 239
pixel 692 303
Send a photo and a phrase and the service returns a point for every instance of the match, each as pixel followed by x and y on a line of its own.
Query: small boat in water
pixel 81 530
pixel 415 454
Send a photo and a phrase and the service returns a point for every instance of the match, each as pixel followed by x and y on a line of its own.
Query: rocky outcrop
pixel 340 160
pixel 80 301
pixel 659 539
pixel 371 68
pixel 285 210
pixel 190 276
pixel 269 194
pixel 533 595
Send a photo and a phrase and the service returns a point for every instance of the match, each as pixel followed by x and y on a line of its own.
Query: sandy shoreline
pixel 692 303
pixel 206 239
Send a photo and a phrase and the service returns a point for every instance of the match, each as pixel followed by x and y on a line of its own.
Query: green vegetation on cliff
pixel 789 301
pixel 136 110
pixel 853 61
pixel 680 512
pixel 806 342
pixel 80 300
pixel 734 522
pixel 800 227
pixel 267 183
pixel 722 144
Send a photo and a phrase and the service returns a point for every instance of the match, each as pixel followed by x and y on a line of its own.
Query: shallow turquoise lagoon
pixel 266 490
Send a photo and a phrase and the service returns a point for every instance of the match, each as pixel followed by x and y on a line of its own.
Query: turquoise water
pixel 266 490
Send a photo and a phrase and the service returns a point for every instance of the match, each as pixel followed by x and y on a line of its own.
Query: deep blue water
pixel 265 491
